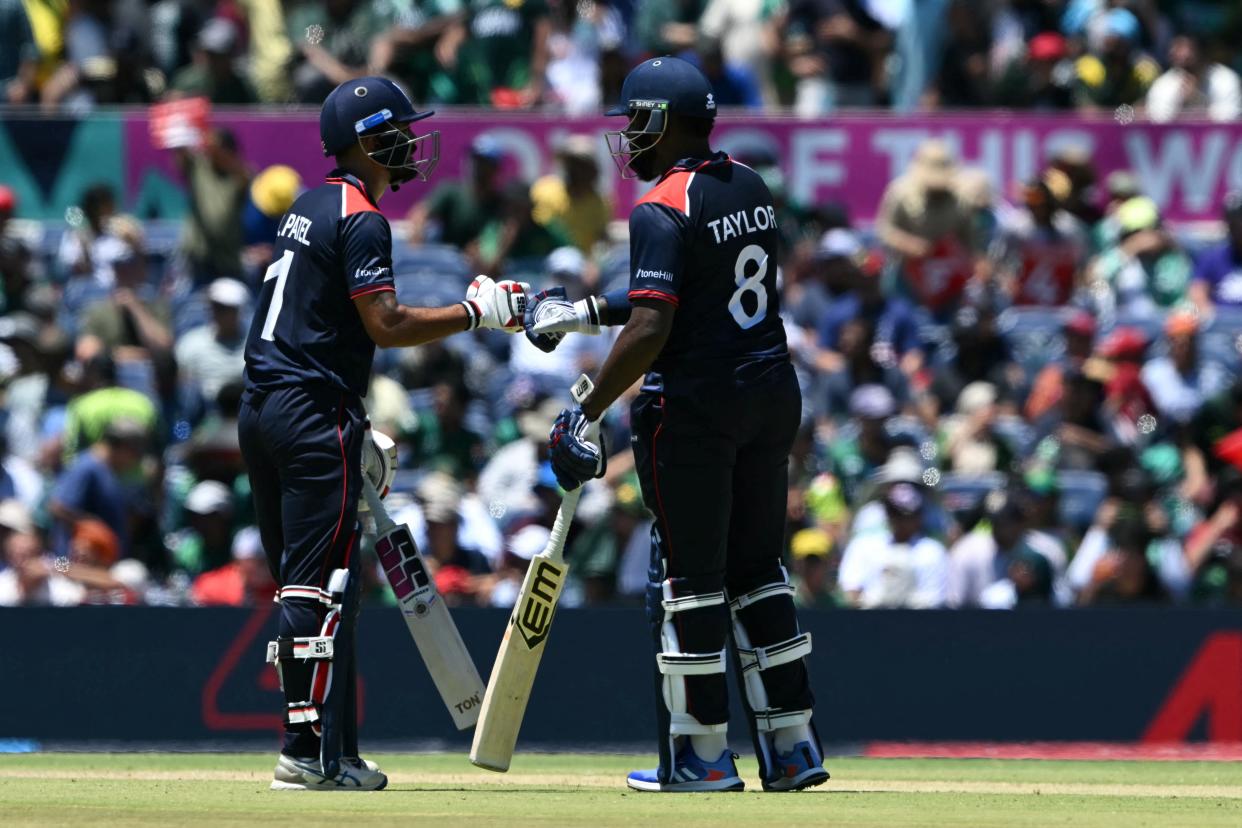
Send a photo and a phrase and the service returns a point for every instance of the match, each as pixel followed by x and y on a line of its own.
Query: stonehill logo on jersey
pixel 371 272
pixel 663 275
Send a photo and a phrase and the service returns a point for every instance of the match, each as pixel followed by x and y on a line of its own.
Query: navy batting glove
pixel 574 459
pixel 544 342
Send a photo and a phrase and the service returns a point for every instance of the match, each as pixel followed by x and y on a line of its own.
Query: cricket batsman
pixel 712 428
pixel 327 300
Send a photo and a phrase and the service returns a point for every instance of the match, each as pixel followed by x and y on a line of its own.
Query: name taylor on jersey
pixel 740 223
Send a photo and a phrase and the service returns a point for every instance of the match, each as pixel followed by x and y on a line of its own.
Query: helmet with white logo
pixel 650 92
pixel 377 107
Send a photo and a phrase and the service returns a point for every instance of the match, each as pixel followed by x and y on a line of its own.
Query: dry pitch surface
pixel 443 789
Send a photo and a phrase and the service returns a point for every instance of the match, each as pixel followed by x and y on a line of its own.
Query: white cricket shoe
pixel 305 775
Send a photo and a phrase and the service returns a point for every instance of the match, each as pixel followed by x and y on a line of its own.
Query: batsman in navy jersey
pixel 712 429
pixel 327 300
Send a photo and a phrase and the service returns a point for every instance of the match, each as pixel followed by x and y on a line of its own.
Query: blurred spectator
pixel 963 81
pixel 1181 381
pixel 742 28
pixel 88 246
pixel 899 566
pixel 207 541
pixel 440 439
pixel 243 582
pixel 1048 386
pixel 813 569
pixel 1044 249
pixel 272 193
pixel 457 569
pixel 575 354
pixel 1218 271
pixel 502 53
pixel 1194 86
pixel 104 59
pixel 332 43
pixel 865 336
pixel 133 315
pixel 212 355
pixel 94 485
pixel 971 444
pixel 598 550
pixel 1115 72
pixel 1123 574
pixel 980 354
pixel 585 56
pixel 514 236
pixel 101 403
pixel 922 220
pixel 667 28
pixel 29 580
pixel 572 198
pixel 854 458
pixel 733 85
pixel 270 49
pixel 508 479
pixel 212 74
pixel 993 566
pixel 18 268
pixel 1119 366
pixel 1040 79
pixel 833 48
pixel 1146 271
pixel 414 49
pixel 1077 428
pixel 1074 189
pixel 19 56
pixel 218 180
pixel 457 211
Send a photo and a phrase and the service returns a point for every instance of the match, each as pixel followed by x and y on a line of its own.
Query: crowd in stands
pixel 1026 395
pixel 1166 57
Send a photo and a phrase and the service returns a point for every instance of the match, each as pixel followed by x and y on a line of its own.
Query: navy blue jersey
pixel 332 246
pixel 704 239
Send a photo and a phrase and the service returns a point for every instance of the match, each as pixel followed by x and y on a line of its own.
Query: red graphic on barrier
pixel 1211 686
pixel 242 644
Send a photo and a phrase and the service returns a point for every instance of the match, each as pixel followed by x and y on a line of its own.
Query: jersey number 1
pixel 750 284
pixel 278 270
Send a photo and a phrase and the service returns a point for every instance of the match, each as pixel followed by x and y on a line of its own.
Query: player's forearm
pixel 637 347
pixel 392 325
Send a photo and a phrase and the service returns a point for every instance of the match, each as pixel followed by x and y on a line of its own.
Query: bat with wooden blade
pixel 517 661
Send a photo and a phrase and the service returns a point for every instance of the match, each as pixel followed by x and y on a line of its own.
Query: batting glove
pixel 379 464
pixel 556 314
pixel 496 305
pixel 575 460
pixel 544 342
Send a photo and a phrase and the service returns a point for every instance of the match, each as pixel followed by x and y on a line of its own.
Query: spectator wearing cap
pixel 245 581
pixel 831 272
pixel 971 445
pixel 1181 381
pixel 993 566
pixel 1048 386
pixel 1120 186
pixel 899 566
pixel 929 229
pixel 855 457
pixel 456 212
pixel 1218 270
pixel 94 485
pixel 272 193
pixel 218 178
pixel 212 355
pixel 206 542
pixel 1194 86
pixel 813 569
pixel 571 197
pixel 1114 72
pixel 1118 364
pixel 1040 79
pixel 100 403
pixel 1146 271
pixel 212 74
pixel 133 317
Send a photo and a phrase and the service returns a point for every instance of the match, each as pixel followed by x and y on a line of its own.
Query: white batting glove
pixel 552 315
pixel 496 305
pixel 379 464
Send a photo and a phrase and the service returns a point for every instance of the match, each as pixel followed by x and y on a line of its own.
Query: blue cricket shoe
pixel 691 775
pixel 801 768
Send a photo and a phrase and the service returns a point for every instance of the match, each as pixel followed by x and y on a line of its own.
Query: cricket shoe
pixel 305 775
pixel 691 775
pixel 801 768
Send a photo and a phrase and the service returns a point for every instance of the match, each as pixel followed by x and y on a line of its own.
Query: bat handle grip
pixel 564 517
pixel 382 521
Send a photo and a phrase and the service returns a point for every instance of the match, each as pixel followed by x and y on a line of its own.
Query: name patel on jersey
pixel 743 222
pixel 295 227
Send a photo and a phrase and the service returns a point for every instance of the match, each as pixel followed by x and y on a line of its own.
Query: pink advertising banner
pixel 1186 167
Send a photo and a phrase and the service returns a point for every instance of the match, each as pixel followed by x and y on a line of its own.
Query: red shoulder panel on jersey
pixel 366 289
pixel 658 295
pixel 671 191
pixel 353 200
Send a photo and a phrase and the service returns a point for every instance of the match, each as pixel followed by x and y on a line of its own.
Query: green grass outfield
pixel 444 789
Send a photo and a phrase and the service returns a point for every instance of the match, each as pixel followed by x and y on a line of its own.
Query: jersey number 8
pixel 750 284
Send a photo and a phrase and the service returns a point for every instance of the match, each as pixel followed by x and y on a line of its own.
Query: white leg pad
pixel 675 665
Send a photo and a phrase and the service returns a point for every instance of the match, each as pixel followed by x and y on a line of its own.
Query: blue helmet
pixel 377 107
pixel 651 90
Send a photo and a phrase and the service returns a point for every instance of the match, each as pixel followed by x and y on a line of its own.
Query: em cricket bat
pixel 517 661
pixel 427 617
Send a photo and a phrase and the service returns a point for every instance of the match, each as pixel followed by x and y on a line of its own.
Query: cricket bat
pixel 427 617
pixel 517 661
